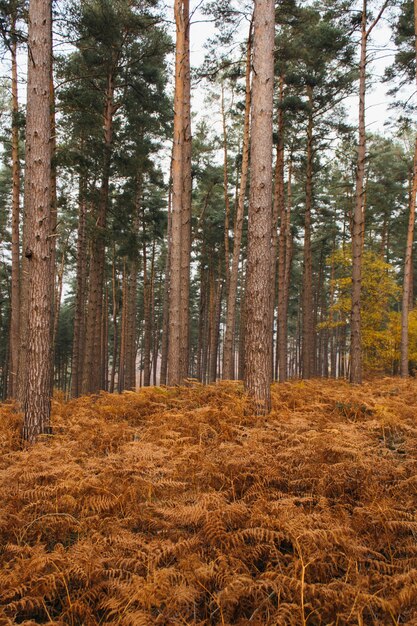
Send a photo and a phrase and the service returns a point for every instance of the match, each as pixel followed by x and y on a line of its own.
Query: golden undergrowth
pixel 175 506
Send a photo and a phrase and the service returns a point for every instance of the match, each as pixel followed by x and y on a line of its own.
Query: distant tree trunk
pixel 231 292
pixel 278 208
pixel 175 347
pixel 147 306
pixel 284 278
pixel 186 201
pixel 93 357
pixel 226 195
pixel 80 293
pixel 258 291
pixel 355 341
pixel 165 305
pixel 15 285
pixel 115 312
pixel 358 222
pixel 215 328
pixel 307 307
pixel 37 382
pixel 407 287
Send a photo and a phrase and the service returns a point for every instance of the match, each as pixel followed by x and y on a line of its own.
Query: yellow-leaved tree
pixel 380 293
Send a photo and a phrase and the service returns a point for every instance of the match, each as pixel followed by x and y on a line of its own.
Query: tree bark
pixel 93 356
pixel 258 290
pixel 186 201
pixel 165 309
pixel 15 285
pixel 37 382
pixel 308 325
pixel 231 293
pixel 175 306
pixel 278 213
pixel 80 294
pixel 284 278
pixel 357 227
pixel 407 287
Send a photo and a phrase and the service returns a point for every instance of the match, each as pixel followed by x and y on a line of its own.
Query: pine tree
pixel 257 340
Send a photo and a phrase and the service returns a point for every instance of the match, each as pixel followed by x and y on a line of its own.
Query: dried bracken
pixel 176 506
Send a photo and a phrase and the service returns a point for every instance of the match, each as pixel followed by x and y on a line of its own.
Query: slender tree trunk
pixel 355 342
pixel 115 312
pixel 215 329
pixel 37 381
pixel 80 294
pixel 308 323
pixel 147 330
pixel 165 309
pixel 231 293
pixel 407 287
pixel 284 277
pixel 278 210
pixel 226 195
pixel 186 201
pixel 176 345
pixel 258 291
pixel 93 356
pixel 15 286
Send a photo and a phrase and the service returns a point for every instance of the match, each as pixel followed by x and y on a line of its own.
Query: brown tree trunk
pixel 231 293
pixel 115 311
pixel 358 225
pixel 147 329
pixel 226 195
pixel 15 285
pixel 358 232
pixel 258 291
pixel 284 277
pixel 93 356
pixel 407 287
pixel 54 209
pixel 308 324
pixel 278 212
pixel 186 201
pixel 37 382
pixel 165 310
pixel 215 329
pixel 175 294
pixel 80 294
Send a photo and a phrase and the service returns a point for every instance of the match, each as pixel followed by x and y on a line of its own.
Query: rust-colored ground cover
pixel 176 506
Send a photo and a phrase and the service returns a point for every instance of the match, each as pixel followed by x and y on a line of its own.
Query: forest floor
pixel 176 506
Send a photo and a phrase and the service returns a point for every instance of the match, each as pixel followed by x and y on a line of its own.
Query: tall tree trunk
pixel 93 357
pixel 37 382
pixel 15 286
pixel 407 287
pixel 226 195
pixel 284 277
pixel 215 329
pixel 147 330
pixel 307 307
pixel 165 309
pixel 357 228
pixel 358 232
pixel 186 201
pixel 231 294
pixel 258 291
pixel 278 212
pixel 175 293
pixel 80 293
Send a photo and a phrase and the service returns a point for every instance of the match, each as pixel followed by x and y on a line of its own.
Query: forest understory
pixel 177 506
